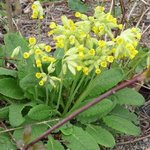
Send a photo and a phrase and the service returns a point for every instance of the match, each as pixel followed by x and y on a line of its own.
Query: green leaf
pixel 6 143
pixel 129 96
pixel 15 113
pixel 8 72
pixel 122 125
pixel 15 116
pixel 117 11
pixel 59 53
pixel 10 88
pixel 54 144
pixel 40 112
pixel 26 68
pixel 104 82
pixel 13 40
pixel 4 112
pixel 96 112
pixel 28 81
pixel 66 129
pixel 122 112
pixel 35 132
pixel 80 140
pixel 77 5
pixel 101 135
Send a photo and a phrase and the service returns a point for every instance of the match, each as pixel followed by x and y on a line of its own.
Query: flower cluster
pixel 85 49
pixel 37 10
pixel 41 57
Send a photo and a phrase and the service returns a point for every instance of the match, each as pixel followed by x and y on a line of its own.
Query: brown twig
pixel 123 11
pixel 9 133
pixel 133 141
pixel 80 110
pixel 142 16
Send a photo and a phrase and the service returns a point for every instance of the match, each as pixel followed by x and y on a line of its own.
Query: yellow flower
pixel 99 8
pixel 26 55
pixel 34 6
pixel 113 50
pixel 120 26
pixel 134 52
pixel 103 64
pixel 91 18
pixel 95 30
pixel 134 30
pixel 119 40
pixel 130 46
pixel 138 36
pixel 109 17
pixel 81 55
pixel 32 40
pixel 79 68
pixel 52 25
pixel 51 59
pixel 135 43
pixel 82 34
pixel 72 25
pixel 101 43
pixel 38 75
pixel 50 32
pixel 114 20
pixel 110 59
pixel 35 14
pixel 48 48
pixel 72 39
pixel 78 14
pixel 97 71
pixel 45 58
pixel 80 48
pixel 41 17
pixel 86 70
pixel 38 63
pixel 101 28
pixel 91 52
pixel 41 83
pixel 38 51
pixel 60 44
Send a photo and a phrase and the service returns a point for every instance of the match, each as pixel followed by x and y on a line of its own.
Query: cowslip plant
pixel 88 61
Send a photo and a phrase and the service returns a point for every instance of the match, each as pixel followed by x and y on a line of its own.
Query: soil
pixel 53 11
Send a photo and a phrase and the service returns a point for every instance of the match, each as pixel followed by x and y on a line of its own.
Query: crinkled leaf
pixel 28 81
pixel 130 97
pixel 59 53
pixel 54 144
pixel 4 112
pixel 104 82
pixel 80 140
pixel 13 40
pixel 122 125
pixel 39 112
pixel 8 72
pixel 77 5
pixel 122 112
pixel 6 143
pixel 10 88
pixel 96 112
pixel 15 113
pixel 101 135
pixel 15 116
